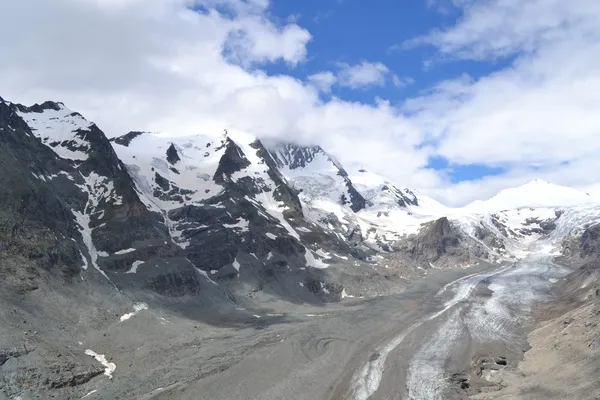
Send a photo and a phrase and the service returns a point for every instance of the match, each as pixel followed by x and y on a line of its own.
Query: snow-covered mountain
pixel 355 203
pixel 243 215
pixel 538 212
pixel 535 194
pixel 218 226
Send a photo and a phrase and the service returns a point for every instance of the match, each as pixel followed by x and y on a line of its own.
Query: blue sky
pixel 353 31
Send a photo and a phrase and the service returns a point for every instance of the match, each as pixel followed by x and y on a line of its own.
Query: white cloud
pixel 159 65
pixel 358 76
pixel 538 116
pixel 363 75
pixel 492 28
pixel 401 82
pixel 323 80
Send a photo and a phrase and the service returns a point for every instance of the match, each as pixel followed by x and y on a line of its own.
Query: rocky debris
pixel 14 352
pixel 324 289
pixel 562 363
pixel 564 359
pixel 52 376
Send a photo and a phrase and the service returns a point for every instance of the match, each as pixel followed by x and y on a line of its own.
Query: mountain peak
pixel 536 193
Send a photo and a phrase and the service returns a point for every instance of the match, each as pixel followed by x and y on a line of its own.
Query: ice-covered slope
pixel 538 213
pixel 356 203
pixel 380 193
pixel 318 175
pixel 535 194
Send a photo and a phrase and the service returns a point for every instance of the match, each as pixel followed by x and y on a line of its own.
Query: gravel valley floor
pixel 452 335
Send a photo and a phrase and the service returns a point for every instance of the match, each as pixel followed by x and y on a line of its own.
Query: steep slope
pixel 232 213
pixel 115 227
pixel 71 225
pixel 317 174
pixel 97 234
pixel 359 206
pixel 85 185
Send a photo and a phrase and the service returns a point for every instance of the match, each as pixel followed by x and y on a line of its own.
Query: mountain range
pixel 217 226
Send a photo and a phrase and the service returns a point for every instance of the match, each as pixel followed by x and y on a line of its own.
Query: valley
pixel 216 266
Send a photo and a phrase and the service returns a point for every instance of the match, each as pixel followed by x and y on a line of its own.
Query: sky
pixel 455 98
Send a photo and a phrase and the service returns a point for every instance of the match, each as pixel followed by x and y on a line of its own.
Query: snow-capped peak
pixel 537 193
pixel 59 128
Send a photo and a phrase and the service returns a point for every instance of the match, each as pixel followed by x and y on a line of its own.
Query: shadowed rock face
pixel 232 161
pixel 590 242
pixel 126 139
pixel 441 243
pixel 436 239
pixel 35 217
pixel 41 192
pixel 172 156
pixel 584 253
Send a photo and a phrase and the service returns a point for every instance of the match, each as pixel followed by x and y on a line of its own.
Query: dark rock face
pixel 544 227
pixel 487 237
pixel 584 247
pixel 41 193
pixel 436 239
pixel 357 201
pixel 404 197
pixel 295 156
pixel 590 242
pixel 232 161
pixel 283 192
pixel 35 217
pixel 439 241
pixel 584 253
pixel 172 156
pixel 125 140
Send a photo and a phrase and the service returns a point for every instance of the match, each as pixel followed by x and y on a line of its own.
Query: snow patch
pixel 109 367
pixel 311 261
pixel 136 309
pixel 89 393
pixel 241 224
pixel 125 251
pixel 134 267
